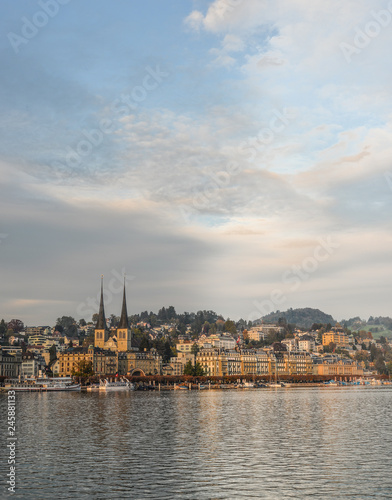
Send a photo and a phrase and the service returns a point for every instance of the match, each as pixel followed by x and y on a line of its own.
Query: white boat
pixel 119 385
pixel 331 383
pixel 93 387
pixel 247 385
pixel 42 384
pixel 275 385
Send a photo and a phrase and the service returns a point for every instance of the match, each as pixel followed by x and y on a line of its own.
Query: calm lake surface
pixel 267 443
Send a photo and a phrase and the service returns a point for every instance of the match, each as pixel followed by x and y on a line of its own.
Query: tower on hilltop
pixel 101 331
pixel 124 334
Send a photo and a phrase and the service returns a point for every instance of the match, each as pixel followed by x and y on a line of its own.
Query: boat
pixel 42 384
pixel 331 383
pixel 275 384
pixel 92 387
pixel 118 385
pixel 181 387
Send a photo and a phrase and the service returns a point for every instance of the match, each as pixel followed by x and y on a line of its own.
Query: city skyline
pixel 227 155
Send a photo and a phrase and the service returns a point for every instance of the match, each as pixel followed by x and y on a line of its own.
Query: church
pixel 130 360
pixel 123 342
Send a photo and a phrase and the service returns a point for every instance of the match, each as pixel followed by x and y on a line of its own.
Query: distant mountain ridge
pixel 301 317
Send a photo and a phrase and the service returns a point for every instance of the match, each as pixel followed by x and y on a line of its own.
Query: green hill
pixel 378 326
pixel 301 317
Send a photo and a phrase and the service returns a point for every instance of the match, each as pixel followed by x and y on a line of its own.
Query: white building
pixel 290 344
pixel 306 343
pixel 226 342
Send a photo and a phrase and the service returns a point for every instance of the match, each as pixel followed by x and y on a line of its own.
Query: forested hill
pixel 300 317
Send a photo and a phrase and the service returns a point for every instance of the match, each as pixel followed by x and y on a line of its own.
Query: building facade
pixel 339 338
pixel 10 364
pixel 217 362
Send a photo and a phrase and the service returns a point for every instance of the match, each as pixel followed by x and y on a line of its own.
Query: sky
pixel 232 155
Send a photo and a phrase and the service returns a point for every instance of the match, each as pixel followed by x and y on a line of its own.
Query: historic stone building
pixel 10 364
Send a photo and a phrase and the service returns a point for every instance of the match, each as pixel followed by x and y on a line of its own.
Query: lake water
pixel 269 443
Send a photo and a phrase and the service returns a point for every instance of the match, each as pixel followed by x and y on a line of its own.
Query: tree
pixel 194 350
pixel 72 331
pixel 198 370
pixel 278 346
pixel 188 368
pixel 316 326
pixel 53 354
pixel 230 327
pixel 380 365
pixel 3 327
pixel 114 320
pixel 195 371
pixel 206 327
pixel 69 325
pixel 144 343
pixel 167 352
pixel 162 314
pixel 330 347
pixel 16 325
pixel 89 340
pixel 84 369
pixel 82 322
pixel 212 330
pixel 171 312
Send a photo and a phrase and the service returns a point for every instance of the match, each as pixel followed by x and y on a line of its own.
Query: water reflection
pixel 323 443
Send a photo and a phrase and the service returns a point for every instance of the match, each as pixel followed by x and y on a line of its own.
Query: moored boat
pixel 118 385
pixel 181 387
pixel 42 384
pixel 92 387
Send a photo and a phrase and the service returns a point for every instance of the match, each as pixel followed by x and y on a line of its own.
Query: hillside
pixel 300 317
pixel 378 326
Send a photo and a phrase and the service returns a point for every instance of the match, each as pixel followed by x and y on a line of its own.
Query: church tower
pixel 101 331
pixel 124 334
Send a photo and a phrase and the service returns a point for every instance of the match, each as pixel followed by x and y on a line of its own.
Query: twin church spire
pixel 101 323
pixel 124 341
pixel 124 315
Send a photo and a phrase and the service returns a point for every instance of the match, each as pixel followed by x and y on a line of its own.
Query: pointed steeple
pixel 124 315
pixel 101 323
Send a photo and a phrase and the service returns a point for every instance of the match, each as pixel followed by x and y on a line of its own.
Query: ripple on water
pixel 212 444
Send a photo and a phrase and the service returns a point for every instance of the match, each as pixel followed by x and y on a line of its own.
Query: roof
pixel 124 315
pixel 101 323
